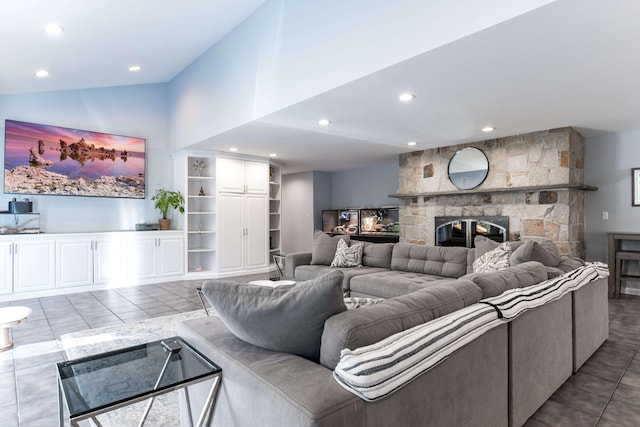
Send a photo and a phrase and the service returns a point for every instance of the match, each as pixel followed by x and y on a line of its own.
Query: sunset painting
pixel 43 159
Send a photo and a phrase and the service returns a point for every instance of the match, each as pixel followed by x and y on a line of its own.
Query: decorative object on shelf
pixel 164 199
pixel 20 207
pixel 198 166
pixel 635 186
pixel 468 168
pixel 272 172
pixel 202 193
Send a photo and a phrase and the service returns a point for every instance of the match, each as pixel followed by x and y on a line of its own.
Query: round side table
pixel 10 317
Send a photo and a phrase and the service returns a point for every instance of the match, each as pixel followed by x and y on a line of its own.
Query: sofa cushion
pixel 494 260
pixel 370 324
pixel 310 272
pixel 264 316
pixel 347 256
pixel 484 244
pixel 520 276
pixel 433 260
pixel 377 254
pixel 535 251
pixel 391 283
pixel 324 247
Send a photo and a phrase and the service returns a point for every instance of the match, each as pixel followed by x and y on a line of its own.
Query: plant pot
pixel 164 224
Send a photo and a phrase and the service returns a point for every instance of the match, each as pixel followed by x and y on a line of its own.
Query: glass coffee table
pixel 93 385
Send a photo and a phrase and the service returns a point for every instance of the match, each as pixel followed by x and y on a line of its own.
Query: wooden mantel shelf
pixel 495 190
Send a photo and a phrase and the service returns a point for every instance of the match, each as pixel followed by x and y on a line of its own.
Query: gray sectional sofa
pixel 500 378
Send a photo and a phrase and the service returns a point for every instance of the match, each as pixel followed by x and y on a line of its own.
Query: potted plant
pixel 164 200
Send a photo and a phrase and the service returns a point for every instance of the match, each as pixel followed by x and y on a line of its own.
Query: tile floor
pixel 605 392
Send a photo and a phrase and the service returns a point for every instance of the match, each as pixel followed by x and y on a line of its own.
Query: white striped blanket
pixel 510 304
pixel 377 370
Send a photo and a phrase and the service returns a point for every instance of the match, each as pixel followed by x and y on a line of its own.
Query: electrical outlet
pixel 605 215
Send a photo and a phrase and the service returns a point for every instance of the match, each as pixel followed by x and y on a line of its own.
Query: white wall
pixel 139 111
pixel 608 162
pixel 365 186
pixel 291 50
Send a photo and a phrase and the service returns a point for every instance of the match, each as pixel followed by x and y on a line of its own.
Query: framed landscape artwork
pixel 635 186
pixel 44 159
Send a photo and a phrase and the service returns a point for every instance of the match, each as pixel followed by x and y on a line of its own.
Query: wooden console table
pixel 619 254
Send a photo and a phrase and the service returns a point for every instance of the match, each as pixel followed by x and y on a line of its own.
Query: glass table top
pixel 106 380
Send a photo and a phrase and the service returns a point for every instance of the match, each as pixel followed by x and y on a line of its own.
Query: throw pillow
pixel 288 319
pixel 484 245
pixel 324 247
pixel 534 251
pixel 347 256
pixel 495 260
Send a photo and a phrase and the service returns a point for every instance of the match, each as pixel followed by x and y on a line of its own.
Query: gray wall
pixel 321 196
pixel 297 212
pixel 365 186
pixel 608 162
pixel 306 194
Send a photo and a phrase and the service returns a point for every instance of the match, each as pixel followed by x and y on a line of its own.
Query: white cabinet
pixel 33 265
pixel 152 255
pixel 242 176
pixel 108 263
pixel 87 261
pixel 6 264
pixel 27 265
pixel 243 231
pixel 74 265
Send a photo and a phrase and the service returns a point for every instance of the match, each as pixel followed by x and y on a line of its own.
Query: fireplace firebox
pixel 461 231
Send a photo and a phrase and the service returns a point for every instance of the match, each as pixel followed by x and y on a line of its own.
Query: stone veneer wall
pixel 553 157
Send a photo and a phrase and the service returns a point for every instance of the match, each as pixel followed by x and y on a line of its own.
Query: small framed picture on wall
pixel 635 186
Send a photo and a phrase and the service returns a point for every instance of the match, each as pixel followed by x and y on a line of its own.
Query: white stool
pixel 9 317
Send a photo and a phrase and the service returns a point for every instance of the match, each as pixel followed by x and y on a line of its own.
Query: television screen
pixel 43 159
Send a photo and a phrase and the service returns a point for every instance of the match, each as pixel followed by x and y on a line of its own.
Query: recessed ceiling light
pixel 53 29
pixel 406 97
pixel 324 122
pixel 273 155
pixel 135 68
pixel 488 129
pixel 42 73
pixel 234 149
pixel 412 143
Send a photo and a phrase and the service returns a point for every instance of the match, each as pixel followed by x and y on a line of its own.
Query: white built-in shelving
pixel 275 200
pixel 200 214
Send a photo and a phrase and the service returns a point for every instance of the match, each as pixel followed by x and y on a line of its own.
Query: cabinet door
pixel 108 260
pixel 256 177
pixel 6 264
pixel 170 256
pixel 74 262
pixel 33 265
pixel 141 259
pixel 231 231
pixel 230 175
pixel 257 234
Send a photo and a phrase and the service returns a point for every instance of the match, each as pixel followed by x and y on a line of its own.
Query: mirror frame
pixel 480 157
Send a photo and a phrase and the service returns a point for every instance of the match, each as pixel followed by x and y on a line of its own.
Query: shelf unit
pixel 275 200
pixel 200 214
pixel 624 263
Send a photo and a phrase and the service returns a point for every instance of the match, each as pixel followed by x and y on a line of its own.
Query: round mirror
pixel 468 168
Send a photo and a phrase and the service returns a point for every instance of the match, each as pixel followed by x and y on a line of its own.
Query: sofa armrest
pixel 295 259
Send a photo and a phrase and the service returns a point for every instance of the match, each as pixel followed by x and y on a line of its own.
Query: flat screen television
pixel 53 160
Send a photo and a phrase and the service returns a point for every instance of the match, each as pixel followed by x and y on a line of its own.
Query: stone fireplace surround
pixel 536 179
